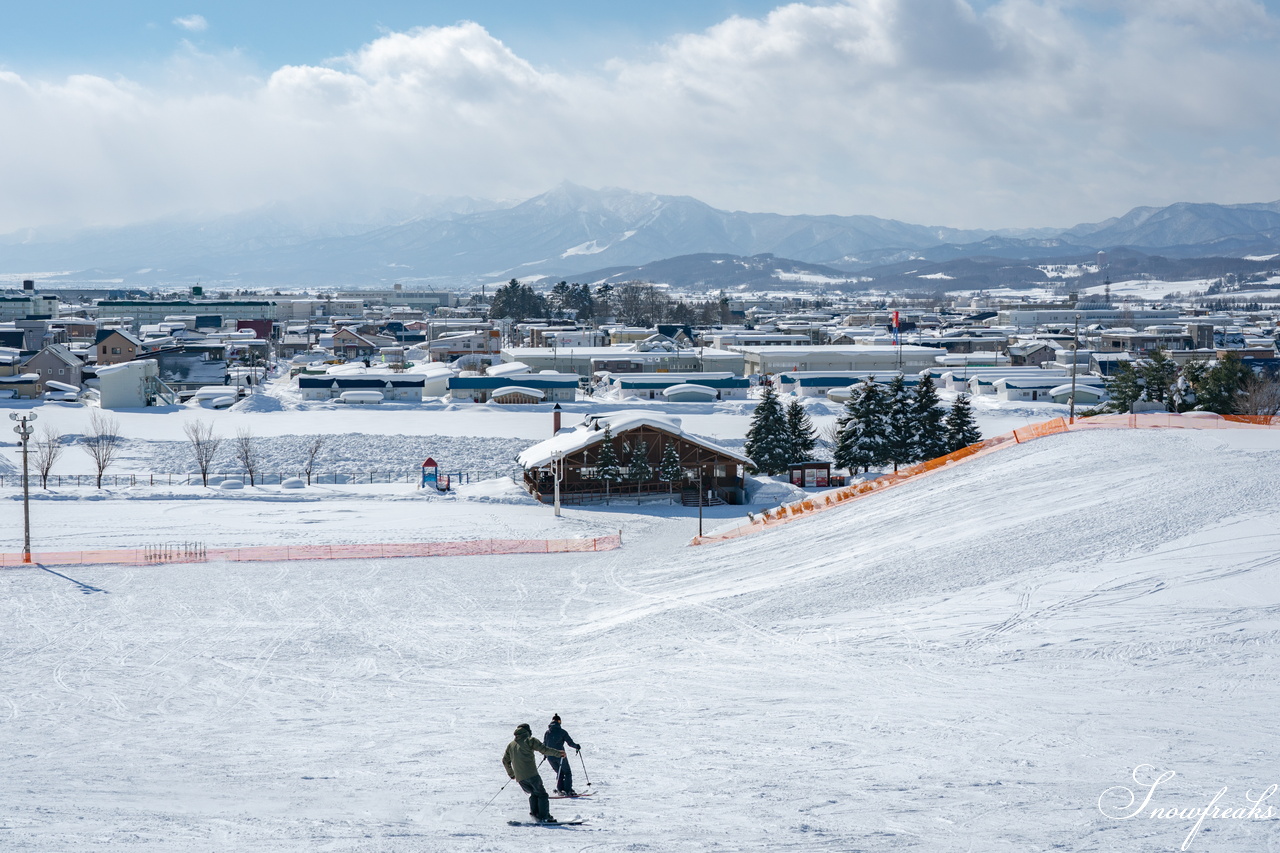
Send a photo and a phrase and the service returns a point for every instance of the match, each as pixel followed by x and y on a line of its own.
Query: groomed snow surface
pixel 962 663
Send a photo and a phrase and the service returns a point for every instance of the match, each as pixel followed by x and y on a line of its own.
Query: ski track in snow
pixel 964 662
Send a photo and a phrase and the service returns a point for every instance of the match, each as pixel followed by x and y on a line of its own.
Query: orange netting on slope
pixel 468 548
pixel 838 497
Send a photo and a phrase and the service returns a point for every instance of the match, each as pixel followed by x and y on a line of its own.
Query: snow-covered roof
pixel 212 392
pixel 1088 389
pixel 518 389
pixel 509 368
pixel 689 388
pixel 432 370
pixel 591 431
pixel 124 367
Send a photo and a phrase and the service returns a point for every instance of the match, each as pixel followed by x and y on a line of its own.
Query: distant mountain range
pixel 589 235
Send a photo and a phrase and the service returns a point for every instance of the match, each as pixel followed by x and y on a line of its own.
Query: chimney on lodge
pixel 555 419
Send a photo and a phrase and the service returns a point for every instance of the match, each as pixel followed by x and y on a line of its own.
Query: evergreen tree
pixel 607 462
pixel 861 443
pixel 845 452
pixel 670 471
pixel 962 429
pixel 931 429
pixel 1159 374
pixel 639 468
pixel 804 438
pixel 1185 390
pixel 768 442
pixel 1222 385
pixel 900 426
pixel 516 301
pixel 1124 386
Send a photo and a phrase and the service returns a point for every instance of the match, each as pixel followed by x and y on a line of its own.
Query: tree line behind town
pixel 879 426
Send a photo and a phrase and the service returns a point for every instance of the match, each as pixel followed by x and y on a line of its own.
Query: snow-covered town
pixel 184 671
pixel 831 425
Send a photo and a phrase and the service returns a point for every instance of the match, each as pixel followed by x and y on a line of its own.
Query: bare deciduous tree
pixel 313 453
pixel 1261 396
pixel 204 446
pixel 48 449
pixel 101 442
pixel 246 451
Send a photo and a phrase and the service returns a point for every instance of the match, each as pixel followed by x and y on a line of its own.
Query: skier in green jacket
pixel 521 766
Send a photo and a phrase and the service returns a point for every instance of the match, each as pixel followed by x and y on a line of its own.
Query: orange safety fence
pixel 277 553
pixel 1169 420
pixel 838 497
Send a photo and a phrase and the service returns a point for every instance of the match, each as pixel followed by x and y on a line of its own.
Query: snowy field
pixel 397 437
pixel 1151 288
pixel 963 663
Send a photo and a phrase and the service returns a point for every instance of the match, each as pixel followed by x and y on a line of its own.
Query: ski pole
pixel 495 796
pixel 585 774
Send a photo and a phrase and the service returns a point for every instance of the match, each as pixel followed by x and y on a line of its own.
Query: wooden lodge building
pixel 576 452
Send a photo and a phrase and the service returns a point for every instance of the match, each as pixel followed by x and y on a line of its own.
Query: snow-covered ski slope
pixel 963 663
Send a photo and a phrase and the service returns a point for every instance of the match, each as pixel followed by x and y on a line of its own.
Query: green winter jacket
pixel 519 760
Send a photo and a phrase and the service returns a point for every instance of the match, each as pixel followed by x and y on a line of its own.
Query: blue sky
pixel 54 36
pixel 966 113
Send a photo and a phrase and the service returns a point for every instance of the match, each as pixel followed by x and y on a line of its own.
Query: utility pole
pixel 701 497
pixel 1075 367
pixel 557 465
pixel 24 430
pixel 897 339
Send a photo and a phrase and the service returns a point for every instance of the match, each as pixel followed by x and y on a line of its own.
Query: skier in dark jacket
pixel 557 737
pixel 520 765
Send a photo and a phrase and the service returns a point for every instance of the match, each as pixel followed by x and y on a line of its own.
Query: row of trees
pixel 205 445
pixel 879 425
pixel 1228 386
pixel 101 444
pixel 894 425
pixel 635 303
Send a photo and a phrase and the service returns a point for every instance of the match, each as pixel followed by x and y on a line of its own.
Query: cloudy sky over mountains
pixel 993 114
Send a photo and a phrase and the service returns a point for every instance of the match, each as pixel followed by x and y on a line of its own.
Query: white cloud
pixel 1026 113
pixel 192 23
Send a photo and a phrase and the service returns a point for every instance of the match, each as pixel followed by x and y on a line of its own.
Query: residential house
pixel 352 345
pixel 116 346
pixel 453 345
pixel 1033 353
pixel 56 363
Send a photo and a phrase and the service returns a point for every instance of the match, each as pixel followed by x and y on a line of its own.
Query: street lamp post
pixel 24 430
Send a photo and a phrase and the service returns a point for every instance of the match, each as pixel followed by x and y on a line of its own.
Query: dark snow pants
pixel 564 773
pixel 539 807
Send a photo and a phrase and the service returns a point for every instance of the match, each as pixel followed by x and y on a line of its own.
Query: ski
pixel 539 823
pixel 569 796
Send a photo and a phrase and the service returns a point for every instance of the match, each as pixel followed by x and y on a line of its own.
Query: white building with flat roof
pixel 1135 318
pixel 869 358
pixel 586 361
